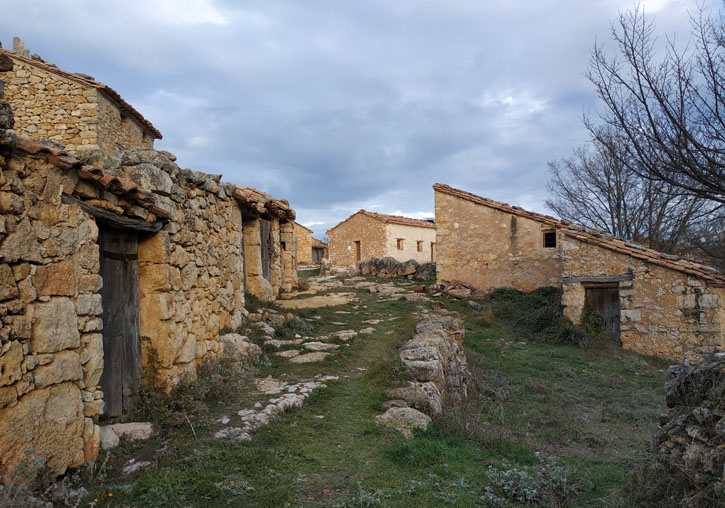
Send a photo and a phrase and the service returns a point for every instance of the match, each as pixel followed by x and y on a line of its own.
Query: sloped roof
pixel 597 237
pixel 390 219
pixel 318 243
pixel 118 186
pixel 262 203
pixel 87 81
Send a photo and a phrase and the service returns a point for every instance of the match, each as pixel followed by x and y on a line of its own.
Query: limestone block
pixel 50 421
pixel 154 277
pixel 8 396
pixel 93 407
pixel 149 177
pixel 89 305
pixel 187 352
pixel 91 439
pixel 403 420
pixel 708 301
pixel 21 245
pixel 93 368
pixel 238 348
pixel 109 438
pixel 11 203
pixel 56 279
pixel 8 288
pixel 10 362
pixel 154 249
pixel 133 431
pixel 632 315
pixel 189 276
pixel 66 366
pixel 54 326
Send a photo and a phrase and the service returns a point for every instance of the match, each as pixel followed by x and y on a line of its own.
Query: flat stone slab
pixel 320 346
pixel 367 331
pixel 310 357
pixel 290 353
pixel 403 419
pixel 345 334
pixel 331 300
pixel 269 385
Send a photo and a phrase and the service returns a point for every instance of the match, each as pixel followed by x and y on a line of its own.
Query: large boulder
pixel 403 420
pixel 238 348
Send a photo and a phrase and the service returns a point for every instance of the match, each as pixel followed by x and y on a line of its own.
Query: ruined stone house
pixel 97 253
pixel 72 109
pixel 309 248
pixel 365 235
pixel 651 302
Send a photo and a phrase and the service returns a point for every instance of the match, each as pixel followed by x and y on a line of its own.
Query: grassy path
pixel 570 413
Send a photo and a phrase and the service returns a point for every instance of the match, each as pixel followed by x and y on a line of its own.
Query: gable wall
pixel 370 232
pixel 116 131
pixel 304 244
pixel 487 248
pixel 48 106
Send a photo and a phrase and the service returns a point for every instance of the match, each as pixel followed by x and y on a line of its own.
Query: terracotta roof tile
pixel 602 239
pixel 115 97
pixel 263 202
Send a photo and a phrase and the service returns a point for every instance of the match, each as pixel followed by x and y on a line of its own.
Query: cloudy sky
pixel 340 105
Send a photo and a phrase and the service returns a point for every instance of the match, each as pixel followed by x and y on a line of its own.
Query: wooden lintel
pixel 113 220
pixel 612 278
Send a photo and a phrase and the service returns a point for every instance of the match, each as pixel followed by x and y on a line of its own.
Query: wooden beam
pixel 114 220
pixel 613 278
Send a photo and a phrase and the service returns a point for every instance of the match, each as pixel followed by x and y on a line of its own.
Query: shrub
pixel 549 485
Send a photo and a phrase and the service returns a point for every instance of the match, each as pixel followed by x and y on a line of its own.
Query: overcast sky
pixel 340 105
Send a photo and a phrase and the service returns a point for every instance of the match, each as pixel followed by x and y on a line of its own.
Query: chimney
pixel 19 47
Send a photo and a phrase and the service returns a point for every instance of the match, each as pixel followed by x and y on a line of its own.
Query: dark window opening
pixel 420 246
pixel 550 239
pixel 283 245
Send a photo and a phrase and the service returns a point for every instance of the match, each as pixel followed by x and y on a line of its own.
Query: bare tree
pixel 596 187
pixel 670 109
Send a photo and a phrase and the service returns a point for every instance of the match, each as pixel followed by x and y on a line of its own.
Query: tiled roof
pixel 597 237
pixel 115 97
pixel 263 202
pixel 118 186
pixel 390 219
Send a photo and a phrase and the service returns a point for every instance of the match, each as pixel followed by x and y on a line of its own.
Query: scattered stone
pixel 109 439
pixel 346 335
pixel 238 348
pixel 329 300
pixel 309 357
pixel 132 466
pixel 320 346
pixel 269 385
pixel 367 331
pixel 234 433
pixel 290 353
pixel 395 403
pixel 403 420
pixel 132 431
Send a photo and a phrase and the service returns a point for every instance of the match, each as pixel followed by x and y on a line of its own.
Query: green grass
pixel 583 412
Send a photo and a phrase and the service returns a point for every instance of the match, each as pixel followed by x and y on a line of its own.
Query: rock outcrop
pixel 390 267
pixel 691 436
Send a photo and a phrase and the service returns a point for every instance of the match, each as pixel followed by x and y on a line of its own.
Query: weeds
pixel 549 485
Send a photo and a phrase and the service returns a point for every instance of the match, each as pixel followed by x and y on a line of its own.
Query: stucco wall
pixel 368 231
pixel 488 248
pixel 664 312
pixel 411 235
pixel 48 106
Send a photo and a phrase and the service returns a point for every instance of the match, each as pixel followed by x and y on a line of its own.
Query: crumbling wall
pixel 288 242
pixel 51 351
pixel 488 248
pixel 664 312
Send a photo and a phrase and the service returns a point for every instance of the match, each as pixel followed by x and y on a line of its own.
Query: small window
pixel 284 245
pixel 400 244
pixel 549 239
pixel 420 245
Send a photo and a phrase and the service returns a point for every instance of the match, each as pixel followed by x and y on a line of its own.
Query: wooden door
pixel 121 344
pixel 604 300
pixel 317 254
pixel 267 248
pixel 358 251
pixel 432 252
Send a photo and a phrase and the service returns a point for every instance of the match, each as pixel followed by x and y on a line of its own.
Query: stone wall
pixel 51 349
pixel 341 239
pixel 48 106
pixel 288 243
pixel 304 244
pixel 117 131
pixel 489 248
pixel 410 236
pixel 69 109
pixel 664 312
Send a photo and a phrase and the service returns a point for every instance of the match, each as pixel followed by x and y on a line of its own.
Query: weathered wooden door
pixel 604 300
pixel 317 253
pixel 121 343
pixel 267 248
pixel 358 251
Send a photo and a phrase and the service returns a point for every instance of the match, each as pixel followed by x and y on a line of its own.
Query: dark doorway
pixel 604 301
pixel 317 254
pixel 120 296
pixel 358 251
pixel 267 248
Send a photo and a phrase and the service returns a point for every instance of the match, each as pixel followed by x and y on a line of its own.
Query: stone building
pixel 309 248
pixel 365 235
pixel 651 302
pixel 97 253
pixel 72 109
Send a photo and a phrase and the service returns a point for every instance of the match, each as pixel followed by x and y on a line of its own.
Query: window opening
pixel 549 239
